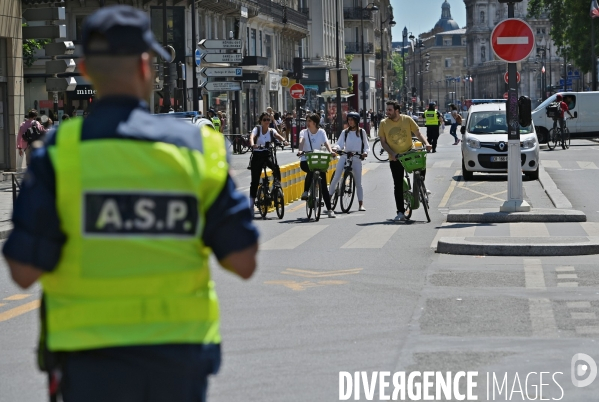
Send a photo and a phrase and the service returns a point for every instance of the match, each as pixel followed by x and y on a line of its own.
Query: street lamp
pixel 339 114
pixel 370 7
pixel 404 35
pixel 542 57
pixel 391 24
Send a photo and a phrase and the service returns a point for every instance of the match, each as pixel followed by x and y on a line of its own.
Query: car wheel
pixel 465 173
pixel 534 175
pixel 542 135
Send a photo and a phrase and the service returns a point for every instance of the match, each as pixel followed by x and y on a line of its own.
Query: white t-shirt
pixel 316 140
pixel 260 138
pixel 453 115
pixel 354 142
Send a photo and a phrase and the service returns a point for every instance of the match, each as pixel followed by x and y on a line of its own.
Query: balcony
pixel 353 13
pixel 277 12
pixel 356 47
pixel 230 7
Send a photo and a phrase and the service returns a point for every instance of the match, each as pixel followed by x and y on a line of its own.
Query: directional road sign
pixel 221 72
pixel 297 91
pixel 198 57
pixel 220 44
pixel 222 57
pixel 222 86
pixel 512 40
pixel 517 77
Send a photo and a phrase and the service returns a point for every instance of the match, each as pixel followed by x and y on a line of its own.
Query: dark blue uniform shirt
pixel 37 239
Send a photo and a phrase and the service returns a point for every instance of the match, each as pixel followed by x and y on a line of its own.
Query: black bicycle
pixel 346 188
pixel 557 137
pixel 416 195
pixel 378 151
pixel 318 162
pixel 265 197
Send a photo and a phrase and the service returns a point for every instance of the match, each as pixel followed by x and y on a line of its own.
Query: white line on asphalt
pixel 551 164
pixel 293 237
pixel 541 318
pixel 587 330
pixel 587 165
pixel 528 230
pixel 452 185
pixel 565 268
pixel 582 316
pixel 372 237
pixel 533 274
pixel 447 231
pixel 567 284
pixel 372 166
pixel 567 276
pixel 581 304
pixel 344 216
pixel 592 228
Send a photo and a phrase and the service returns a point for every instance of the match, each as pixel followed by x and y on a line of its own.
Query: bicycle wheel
pixel 566 139
pixel 261 201
pixel 317 197
pixel 310 202
pixel 423 195
pixel 279 199
pixel 407 202
pixel 245 145
pixel 335 196
pixel 378 151
pixel 551 140
pixel 348 191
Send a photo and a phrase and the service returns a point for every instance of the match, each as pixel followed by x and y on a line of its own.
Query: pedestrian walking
pixel 432 121
pixel 456 120
pixel 29 131
pixel 117 218
pixel 396 133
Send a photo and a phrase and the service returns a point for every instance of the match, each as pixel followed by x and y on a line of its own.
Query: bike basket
pixel 413 161
pixel 318 160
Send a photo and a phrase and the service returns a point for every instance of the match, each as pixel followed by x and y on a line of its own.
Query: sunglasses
pixel 265 119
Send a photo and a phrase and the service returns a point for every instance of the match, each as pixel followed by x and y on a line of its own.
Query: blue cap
pixel 126 30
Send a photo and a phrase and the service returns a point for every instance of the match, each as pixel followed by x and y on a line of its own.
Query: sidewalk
pixel 557 230
pixel 5 208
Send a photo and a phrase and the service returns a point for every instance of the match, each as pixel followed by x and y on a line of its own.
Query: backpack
pixel 553 110
pixel 33 133
pixel 362 132
pixel 458 119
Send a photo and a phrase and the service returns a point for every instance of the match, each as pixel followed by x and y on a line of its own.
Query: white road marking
pixel 566 268
pixel 551 164
pixel 587 330
pixel 581 304
pixel 372 237
pixel 567 284
pixel 528 230
pixel 447 231
pixel 587 165
pixel 444 163
pixel 582 316
pixel 533 274
pixel 452 185
pixel 592 228
pixel 567 276
pixel 293 237
pixel 541 318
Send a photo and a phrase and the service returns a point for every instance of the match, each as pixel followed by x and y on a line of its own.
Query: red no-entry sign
pixel 517 77
pixel 297 91
pixel 512 40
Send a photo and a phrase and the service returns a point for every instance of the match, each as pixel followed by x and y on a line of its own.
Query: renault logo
pixel 501 146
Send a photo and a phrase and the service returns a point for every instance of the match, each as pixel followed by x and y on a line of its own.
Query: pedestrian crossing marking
pixel 444 163
pixel 582 316
pixel 533 274
pixel 551 164
pixel 320 274
pixel 453 230
pixel 14 312
pixel 541 318
pixel 301 286
pixel 586 165
pixel 564 269
pixel 594 330
pixel 372 237
pixel 583 304
pixel 19 296
pixel 528 230
pixel 592 228
pixel 567 285
pixel 567 276
pixel 293 237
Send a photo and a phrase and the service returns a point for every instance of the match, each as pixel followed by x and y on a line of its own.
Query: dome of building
pixel 446 23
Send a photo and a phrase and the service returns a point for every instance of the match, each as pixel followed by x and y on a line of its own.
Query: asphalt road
pixel 361 293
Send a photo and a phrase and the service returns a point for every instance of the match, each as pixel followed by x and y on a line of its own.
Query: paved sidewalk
pixel 5 208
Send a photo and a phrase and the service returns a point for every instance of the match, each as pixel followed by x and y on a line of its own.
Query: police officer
pixel 117 217
pixel 215 120
pixel 432 121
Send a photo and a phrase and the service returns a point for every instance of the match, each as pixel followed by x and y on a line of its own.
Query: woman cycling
pixel 312 139
pixel 353 139
pixel 261 155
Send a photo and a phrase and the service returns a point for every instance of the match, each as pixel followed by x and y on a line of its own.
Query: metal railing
pixel 277 11
pixel 352 13
pixel 356 47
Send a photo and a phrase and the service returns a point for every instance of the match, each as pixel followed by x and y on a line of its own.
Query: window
pixel 483 54
pixel 463 41
pixel 78 24
pixel 268 45
pixel 447 63
pixel 252 42
pixel 465 62
pixel 482 17
pixel 447 42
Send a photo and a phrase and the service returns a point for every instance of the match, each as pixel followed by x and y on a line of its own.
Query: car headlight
pixel 473 143
pixel 530 143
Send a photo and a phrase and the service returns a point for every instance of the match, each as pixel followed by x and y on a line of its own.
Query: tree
pixel 29 48
pixel 348 59
pixel 570 28
pixel 397 63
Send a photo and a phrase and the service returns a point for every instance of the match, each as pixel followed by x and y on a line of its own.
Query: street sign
pixel 59 48
pixel 512 40
pixel 505 95
pixel 364 86
pixel 220 44
pixel 297 91
pixel 222 57
pixel 222 86
pixel 517 77
pixel 285 82
pixel 222 72
pixel 60 66
pixel 198 57
pixel 60 84
pixel 41 14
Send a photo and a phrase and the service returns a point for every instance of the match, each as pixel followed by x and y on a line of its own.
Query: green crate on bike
pixel 318 160
pixel 413 161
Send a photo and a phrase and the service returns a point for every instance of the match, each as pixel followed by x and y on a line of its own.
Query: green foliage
pixel 348 60
pixel 29 48
pixel 397 63
pixel 570 28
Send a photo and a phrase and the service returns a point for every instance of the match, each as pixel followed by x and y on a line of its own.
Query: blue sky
pixel 421 15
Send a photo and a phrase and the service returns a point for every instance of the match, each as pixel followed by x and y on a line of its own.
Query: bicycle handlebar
pixel 349 154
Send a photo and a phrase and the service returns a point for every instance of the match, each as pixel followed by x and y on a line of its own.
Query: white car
pixel 485 144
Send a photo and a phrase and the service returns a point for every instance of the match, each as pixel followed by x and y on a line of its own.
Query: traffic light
pixel 413 91
pixel 298 68
pixel 524 111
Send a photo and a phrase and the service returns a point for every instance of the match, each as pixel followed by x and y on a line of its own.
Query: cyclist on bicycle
pixel 396 137
pixel 563 107
pixel 261 155
pixel 353 139
pixel 311 139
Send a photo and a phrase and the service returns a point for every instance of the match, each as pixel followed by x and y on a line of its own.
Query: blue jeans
pixel 453 131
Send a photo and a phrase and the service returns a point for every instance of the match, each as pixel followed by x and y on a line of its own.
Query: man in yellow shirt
pixel 396 137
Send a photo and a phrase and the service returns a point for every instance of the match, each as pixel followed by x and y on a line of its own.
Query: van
pixel 485 143
pixel 584 106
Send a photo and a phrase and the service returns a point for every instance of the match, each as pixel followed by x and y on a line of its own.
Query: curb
pixel 519 246
pixel 4 233
pixel 555 195
pixel 491 215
